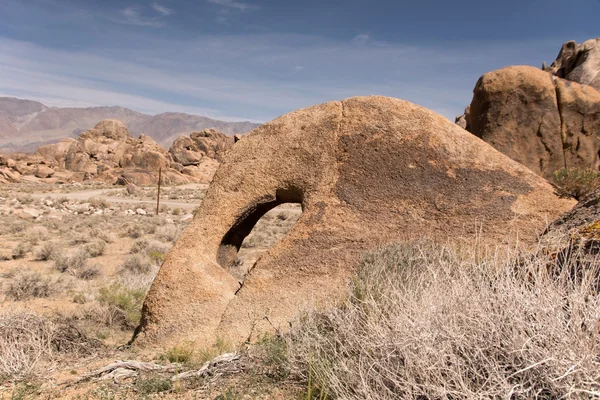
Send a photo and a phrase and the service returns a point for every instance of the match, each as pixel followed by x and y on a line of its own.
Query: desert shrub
pixel 424 322
pixel 63 263
pixel 29 284
pixel 154 384
pixel 156 257
pixel 136 265
pixel 139 246
pixel 180 354
pixel 27 340
pixel 176 211
pixel 123 304
pixel 135 231
pixel 99 203
pixel 35 234
pixel 577 182
pixel 168 233
pixel 96 248
pixel 87 272
pixel 21 250
pixel 45 252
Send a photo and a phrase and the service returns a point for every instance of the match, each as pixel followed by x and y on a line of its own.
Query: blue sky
pixel 258 59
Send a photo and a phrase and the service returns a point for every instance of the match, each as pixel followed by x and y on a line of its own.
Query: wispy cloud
pixel 133 16
pixel 234 4
pixel 362 38
pixel 161 9
pixel 248 76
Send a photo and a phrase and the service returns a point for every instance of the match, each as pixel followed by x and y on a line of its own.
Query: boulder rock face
pixel 579 63
pixel 189 150
pixel 367 171
pixel 545 123
pixel 200 153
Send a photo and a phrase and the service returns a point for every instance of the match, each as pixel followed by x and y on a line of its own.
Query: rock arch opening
pixel 259 229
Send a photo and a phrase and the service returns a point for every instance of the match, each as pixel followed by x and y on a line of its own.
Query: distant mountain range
pixel 26 125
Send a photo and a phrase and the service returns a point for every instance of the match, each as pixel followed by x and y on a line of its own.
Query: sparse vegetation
pixel 45 252
pixel 123 305
pixel 63 263
pixel 96 248
pixel 577 182
pixel 27 284
pixel 135 264
pixel 425 322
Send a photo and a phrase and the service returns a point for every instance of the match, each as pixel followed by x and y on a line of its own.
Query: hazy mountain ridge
pixel 26 125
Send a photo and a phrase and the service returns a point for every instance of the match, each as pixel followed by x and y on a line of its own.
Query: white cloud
pixel 133 16
pixel 362 38
pixel 161 9
pixel 234 4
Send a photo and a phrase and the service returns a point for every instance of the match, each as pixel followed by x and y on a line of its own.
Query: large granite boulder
pixel 367 171
pixel 543 122
pixel 579 63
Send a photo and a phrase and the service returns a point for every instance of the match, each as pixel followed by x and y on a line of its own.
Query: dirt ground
pixel 76 262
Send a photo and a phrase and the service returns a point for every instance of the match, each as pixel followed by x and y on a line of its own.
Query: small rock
pixel 140 211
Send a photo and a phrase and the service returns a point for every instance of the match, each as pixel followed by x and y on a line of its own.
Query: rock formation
pixel 579 63
pixel 367 171
pixel 200 152
pixel 543 122
pixel 109 153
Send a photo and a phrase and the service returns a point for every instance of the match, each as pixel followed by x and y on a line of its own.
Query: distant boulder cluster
pixel 108 153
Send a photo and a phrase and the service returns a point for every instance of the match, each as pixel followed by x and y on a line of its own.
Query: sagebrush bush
pixel 423 322
pixel 28 340
pixel 96 248
pixel 28 284
pixel 576 181
pixel 63 263
pixel 168 233
pixel 124 305
pixel 45 252
pixel 136 264
pixel 21 250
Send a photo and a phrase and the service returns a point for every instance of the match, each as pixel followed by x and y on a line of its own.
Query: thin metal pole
pixel 158 196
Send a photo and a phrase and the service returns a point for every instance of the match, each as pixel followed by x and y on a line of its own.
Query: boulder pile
pixel 110 154
pixel 545 119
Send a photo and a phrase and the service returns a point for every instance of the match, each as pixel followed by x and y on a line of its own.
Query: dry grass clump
pixel 87 272
pixel 46 252
pixel 136 265
pixel 424 322
pixel 577 182
pixel 72 263
pixel 168 233
pixel 28 284
pixel 28 341
pixel 21 250
pixel 96 248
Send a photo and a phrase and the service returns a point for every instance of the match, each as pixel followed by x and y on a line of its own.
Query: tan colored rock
pixel 579 63
pixel 579 107
pixel 9 175
pixel 515 110
pixel 541 121
pixel 43 171
pixel 367 171
pixel 190 150
pixel 463 120
pixel 55 152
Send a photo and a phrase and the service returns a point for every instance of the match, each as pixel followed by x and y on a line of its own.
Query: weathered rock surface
pixel 367 171
pixel 579 62
pixel 545 123
pixel 190 150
